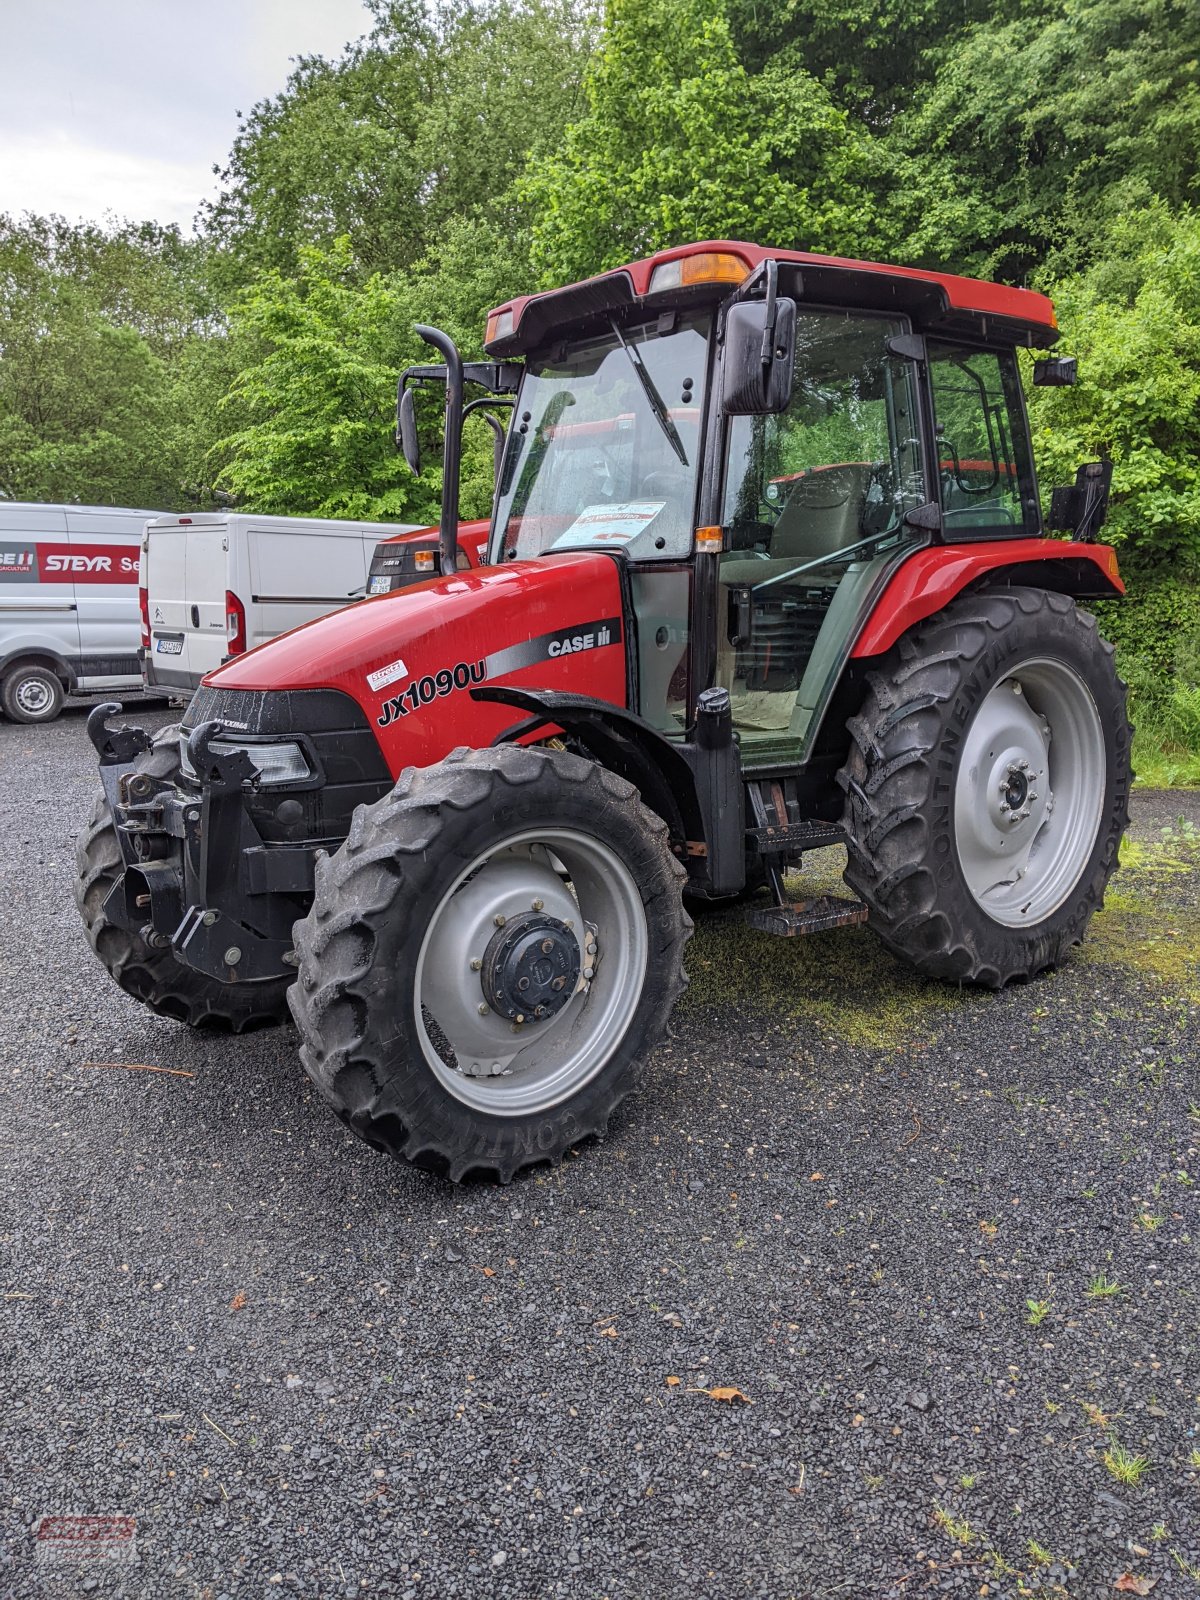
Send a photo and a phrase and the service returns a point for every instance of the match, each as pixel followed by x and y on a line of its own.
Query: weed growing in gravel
pixel 1122 1464
pixel 1159 1532
pixel 1094 1415
pixel 1185 1566
pixel 1037 1313
pixel 1038 1554
pixel 1149 1221
pixel 956 1528
pixel 968 1480
pixel 1194 1459
pixel 1101 1287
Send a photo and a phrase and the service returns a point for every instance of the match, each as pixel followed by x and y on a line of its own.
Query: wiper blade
pixel 661 415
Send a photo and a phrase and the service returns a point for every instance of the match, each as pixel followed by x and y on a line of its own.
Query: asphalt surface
pixel 873 1206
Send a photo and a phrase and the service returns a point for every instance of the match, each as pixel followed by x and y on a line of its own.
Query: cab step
pixel 796 917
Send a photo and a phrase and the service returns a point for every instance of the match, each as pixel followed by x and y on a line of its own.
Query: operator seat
pixel 822 513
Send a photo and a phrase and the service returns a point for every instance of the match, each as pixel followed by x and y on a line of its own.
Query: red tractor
pixel 766 572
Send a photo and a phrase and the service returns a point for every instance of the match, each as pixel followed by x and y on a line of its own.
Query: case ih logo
pixel 27 562
pixel 85 1538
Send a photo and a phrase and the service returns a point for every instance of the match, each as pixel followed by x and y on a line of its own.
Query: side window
pixel 814 508
pixel 983 455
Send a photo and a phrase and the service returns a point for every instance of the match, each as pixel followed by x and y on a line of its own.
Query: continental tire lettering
pixel 424 691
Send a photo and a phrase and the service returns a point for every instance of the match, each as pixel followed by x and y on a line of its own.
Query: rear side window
pixel 984 464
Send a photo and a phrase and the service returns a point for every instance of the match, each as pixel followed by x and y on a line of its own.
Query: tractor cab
pixel 766 571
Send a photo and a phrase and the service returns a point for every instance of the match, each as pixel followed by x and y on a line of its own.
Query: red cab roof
pixel 939 301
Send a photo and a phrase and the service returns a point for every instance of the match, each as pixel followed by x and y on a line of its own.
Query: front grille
pixel 346 749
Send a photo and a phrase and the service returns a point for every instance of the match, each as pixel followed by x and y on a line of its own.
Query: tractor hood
pixel 410 659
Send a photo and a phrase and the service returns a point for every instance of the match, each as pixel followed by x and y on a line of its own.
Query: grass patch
pixel 844 982
pixel 1123 1465
pixel 1102 1287
pixel 955 1528
pixel 1036 1312
pixel 1146 924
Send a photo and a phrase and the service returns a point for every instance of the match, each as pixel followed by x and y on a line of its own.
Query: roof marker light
pixel 499 326
pixel 710 266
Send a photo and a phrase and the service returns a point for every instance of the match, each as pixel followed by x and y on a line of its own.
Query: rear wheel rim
pixel 34 696
pixel 521 1068
pixel 1029 795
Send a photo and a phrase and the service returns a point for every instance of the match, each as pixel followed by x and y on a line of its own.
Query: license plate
pixel 169 647
pixel 380 585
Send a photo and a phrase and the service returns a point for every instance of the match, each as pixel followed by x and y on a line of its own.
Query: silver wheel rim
pixel 34 696
pixel 1030 792
pixel 522 1068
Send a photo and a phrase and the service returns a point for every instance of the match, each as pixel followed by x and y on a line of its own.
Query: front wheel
pixel 987 787
pixel 488 959
pixel 31 694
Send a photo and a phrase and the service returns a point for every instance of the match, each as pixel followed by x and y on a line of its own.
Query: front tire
pixel 488 959
pixel 31 694
pixel 987 787
pixel 154 976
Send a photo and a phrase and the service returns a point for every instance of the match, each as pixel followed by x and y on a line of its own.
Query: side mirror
pixel 760 349
pixel 406 431
pixel 1081 507
pixel 1055 372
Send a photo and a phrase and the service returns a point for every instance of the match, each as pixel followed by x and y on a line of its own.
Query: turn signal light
pixel 710 266
pixel 499 326
pixel 425 560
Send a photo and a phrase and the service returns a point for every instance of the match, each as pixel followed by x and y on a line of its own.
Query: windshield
pixel 605 443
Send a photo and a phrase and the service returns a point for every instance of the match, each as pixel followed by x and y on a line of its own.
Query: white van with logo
pixel 215 584
pixel 68 604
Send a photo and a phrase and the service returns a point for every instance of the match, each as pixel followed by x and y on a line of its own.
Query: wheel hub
pixel 1028 790
pixel 530 968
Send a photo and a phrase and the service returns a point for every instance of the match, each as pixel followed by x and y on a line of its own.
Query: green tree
pixel 680 141
pixel 1040 128
pixel 1133 320
pixel 92 324
pixel 426 121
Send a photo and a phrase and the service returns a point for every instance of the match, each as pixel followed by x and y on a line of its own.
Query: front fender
pixel 409 659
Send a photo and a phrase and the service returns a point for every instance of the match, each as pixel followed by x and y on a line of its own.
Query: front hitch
pixel 116 747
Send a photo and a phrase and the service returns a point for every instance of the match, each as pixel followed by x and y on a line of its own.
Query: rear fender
pixel 933 576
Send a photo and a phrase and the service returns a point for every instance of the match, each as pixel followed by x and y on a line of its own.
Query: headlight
pixel 276 763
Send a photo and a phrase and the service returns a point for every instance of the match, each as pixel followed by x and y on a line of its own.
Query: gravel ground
pixel 873 1206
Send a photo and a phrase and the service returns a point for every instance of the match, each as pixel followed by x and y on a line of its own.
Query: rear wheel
pixel 31 694
pixel 987 787
pixel 488 959
pixel 154 976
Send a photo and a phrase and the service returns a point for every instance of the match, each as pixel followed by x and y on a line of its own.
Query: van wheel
pixel 154 976
pixel 31 694
pixel 489 958
pixel 987 787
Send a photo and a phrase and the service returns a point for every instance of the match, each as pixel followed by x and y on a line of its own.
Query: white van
pixel 68 604
pixel 215 584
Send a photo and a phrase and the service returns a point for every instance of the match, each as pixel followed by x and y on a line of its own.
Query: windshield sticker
pixel 609 524
pixel 382 676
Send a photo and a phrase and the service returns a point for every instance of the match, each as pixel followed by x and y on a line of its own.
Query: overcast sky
pixel 125 105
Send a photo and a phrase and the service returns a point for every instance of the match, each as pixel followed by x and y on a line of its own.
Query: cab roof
pixel 938 302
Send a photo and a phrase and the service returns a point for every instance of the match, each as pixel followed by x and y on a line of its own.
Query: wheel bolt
pixel 588 971
pixel 538 904
pixel 547 946
pixel 484 1008
pixel 559 983
pixel 499 920
pixel 476 964
pixel 522 984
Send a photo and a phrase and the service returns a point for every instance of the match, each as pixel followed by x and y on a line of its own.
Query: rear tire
pixel 154 976
pixel 430 930
pixel 987 787
pixel 31 694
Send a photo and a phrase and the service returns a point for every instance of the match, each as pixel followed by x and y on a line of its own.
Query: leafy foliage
pixel 680 141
